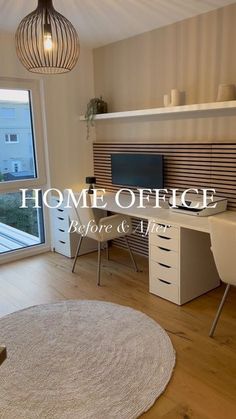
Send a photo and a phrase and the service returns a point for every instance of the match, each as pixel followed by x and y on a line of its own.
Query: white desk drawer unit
pixel 181 264
pixel 164 262
pixel 63 241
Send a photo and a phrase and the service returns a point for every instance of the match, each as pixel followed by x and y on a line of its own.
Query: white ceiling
pixel 101 22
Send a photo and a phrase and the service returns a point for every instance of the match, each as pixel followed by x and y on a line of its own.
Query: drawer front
pixel 169 292
pixel 60 229
pixel 63 248
pixel 165 242
pixel 167 257
pixel 60 212
pixel 164 272
pixel 164 230
pixel 60 221
pixel 55 201
pixel 60 235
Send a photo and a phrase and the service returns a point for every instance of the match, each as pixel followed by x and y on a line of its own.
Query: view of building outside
pixel 16 142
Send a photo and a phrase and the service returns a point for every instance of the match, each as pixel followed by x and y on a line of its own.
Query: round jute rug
pixel 82 360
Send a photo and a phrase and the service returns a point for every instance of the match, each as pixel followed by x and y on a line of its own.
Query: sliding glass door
pixel 22 165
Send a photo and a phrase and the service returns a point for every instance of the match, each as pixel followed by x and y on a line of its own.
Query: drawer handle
pixel 62 231
pixel 61 241
pixel 59 209
pixel 164 282
pixel 164 266
pixel 60 218
pixel 163 237
pixel 165 225
pixel 162 248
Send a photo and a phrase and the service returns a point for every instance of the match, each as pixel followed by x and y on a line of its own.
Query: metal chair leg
pixel 219 311
pixel 131 255
pixel 99 264
pixel 77 253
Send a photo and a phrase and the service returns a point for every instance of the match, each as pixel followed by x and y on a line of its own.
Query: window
pixel 16 166
pixel 21 166
pixel 26 129
pixel 11 138
pixel 20 130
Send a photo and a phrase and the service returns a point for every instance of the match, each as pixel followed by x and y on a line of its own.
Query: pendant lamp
pixel 46 42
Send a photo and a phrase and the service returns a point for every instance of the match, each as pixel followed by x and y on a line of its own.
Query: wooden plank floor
pixel 203 385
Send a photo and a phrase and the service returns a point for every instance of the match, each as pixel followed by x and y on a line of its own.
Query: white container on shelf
pixel 226 92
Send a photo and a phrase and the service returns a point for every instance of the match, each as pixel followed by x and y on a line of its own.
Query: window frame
pixel 33 86
pixel 41 181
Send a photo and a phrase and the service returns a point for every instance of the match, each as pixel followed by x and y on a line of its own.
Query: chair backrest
pixel 223 240
pixel 86 219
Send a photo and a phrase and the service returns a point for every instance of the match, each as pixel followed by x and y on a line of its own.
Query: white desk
pixel 181 265
pixel 163 215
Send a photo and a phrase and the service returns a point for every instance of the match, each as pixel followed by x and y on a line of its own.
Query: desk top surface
pixel 162 215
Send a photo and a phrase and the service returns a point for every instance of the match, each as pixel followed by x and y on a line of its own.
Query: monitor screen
pixel 137 170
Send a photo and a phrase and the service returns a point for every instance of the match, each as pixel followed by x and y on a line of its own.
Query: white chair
pixel 102 229
pixel 223 241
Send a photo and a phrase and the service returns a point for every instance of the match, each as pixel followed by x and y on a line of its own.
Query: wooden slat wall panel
pixel 192 165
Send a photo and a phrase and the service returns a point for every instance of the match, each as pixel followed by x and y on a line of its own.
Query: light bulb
pixel 47 42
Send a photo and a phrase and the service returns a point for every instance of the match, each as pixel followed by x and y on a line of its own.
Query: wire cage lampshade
pixel 46 42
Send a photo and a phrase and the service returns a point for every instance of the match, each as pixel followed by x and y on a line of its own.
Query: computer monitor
pixel 138 170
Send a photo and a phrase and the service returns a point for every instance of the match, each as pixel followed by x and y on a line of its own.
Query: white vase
pixel 226 92
pixel 166 100
pixel 174 99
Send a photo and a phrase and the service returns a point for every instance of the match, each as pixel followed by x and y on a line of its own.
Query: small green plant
pixel 1 177
pixel 94 107
pixel 24 219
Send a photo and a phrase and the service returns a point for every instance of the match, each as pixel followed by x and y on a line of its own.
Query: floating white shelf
pixel 205 109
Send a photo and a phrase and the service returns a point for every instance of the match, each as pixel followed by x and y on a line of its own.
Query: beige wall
pixel 194 55
pixel 66 96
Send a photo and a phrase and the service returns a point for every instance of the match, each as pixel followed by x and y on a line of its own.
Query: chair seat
pixel 114 226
